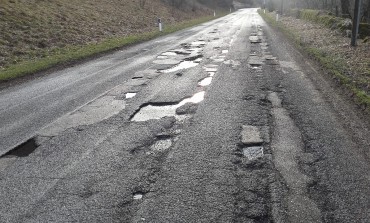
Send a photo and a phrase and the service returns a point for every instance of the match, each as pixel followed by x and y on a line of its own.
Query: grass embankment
pixel 74 53
pixel 38 36
pixel 321 37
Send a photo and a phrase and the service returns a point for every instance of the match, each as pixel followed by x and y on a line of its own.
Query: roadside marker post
pixel 160 24
pixel 277 17
pixel 214 13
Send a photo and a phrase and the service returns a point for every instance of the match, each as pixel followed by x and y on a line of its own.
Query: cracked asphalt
pixel 223 122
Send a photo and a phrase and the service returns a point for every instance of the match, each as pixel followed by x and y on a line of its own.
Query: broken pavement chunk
pixel 253 152
pixel 250 135
pixel 254 39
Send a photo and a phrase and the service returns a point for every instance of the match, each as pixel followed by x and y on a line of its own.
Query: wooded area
pixel 343 8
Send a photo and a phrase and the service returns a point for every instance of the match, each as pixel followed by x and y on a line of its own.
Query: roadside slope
pixel 34 30
pixel 348 66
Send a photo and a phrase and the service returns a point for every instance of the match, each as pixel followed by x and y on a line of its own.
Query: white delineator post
pixel 160 24
pixel 214 13
pixel 277 17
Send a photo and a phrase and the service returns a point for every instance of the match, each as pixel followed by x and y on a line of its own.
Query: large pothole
pixel 158 111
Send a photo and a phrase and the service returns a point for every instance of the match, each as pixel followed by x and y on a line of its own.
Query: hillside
pixel 32 29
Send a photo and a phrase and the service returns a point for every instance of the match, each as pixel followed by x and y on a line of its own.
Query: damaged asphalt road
pixel 224 122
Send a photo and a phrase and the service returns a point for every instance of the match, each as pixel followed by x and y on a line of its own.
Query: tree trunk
pixel 345 7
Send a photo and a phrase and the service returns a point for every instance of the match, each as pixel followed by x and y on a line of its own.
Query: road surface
pixel 223 122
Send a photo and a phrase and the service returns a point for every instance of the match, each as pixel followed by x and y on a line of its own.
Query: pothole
pixel 23 150
pixel 197 58
pixel 151 111
pixel 198 43
pixel 196 98
pixel 161 145
pixel 182 66
pixel 233 63
pixel 162 57
pixel 211 69
pixel 181 51
pixel 218 60
pixel 255 66
pixel 130 95
pixel 169 54
pixel 205 82
pixel 166 62
pixel 254 39
pixel 211 74
pixel 254 152
pixel 138 195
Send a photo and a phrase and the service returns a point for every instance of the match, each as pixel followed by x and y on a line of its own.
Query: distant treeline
pixel 344 8
pixel 197 3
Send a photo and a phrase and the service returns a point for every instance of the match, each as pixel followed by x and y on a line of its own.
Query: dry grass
pixel 36 29
pixel 349 65
pixel 355 60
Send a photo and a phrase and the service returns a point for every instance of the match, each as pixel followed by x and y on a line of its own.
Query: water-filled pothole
pixel 205 82
pixel 182 66
pixel 182 51
pixel 218 60
pixel 198 43
pixel 153 111
pixel 162 57
pixel 254 39
pixel 138 195
pixel 211 69
pixel 169 54
pixel 130 95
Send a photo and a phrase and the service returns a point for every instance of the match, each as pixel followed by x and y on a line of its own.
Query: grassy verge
pixel 334 65
pixel 69 54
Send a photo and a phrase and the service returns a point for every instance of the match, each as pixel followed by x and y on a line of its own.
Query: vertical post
pixel 230 10
pixel 214 13
pixel 160 24
pixel 356 22
pixel 282 7
pixel 277 17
